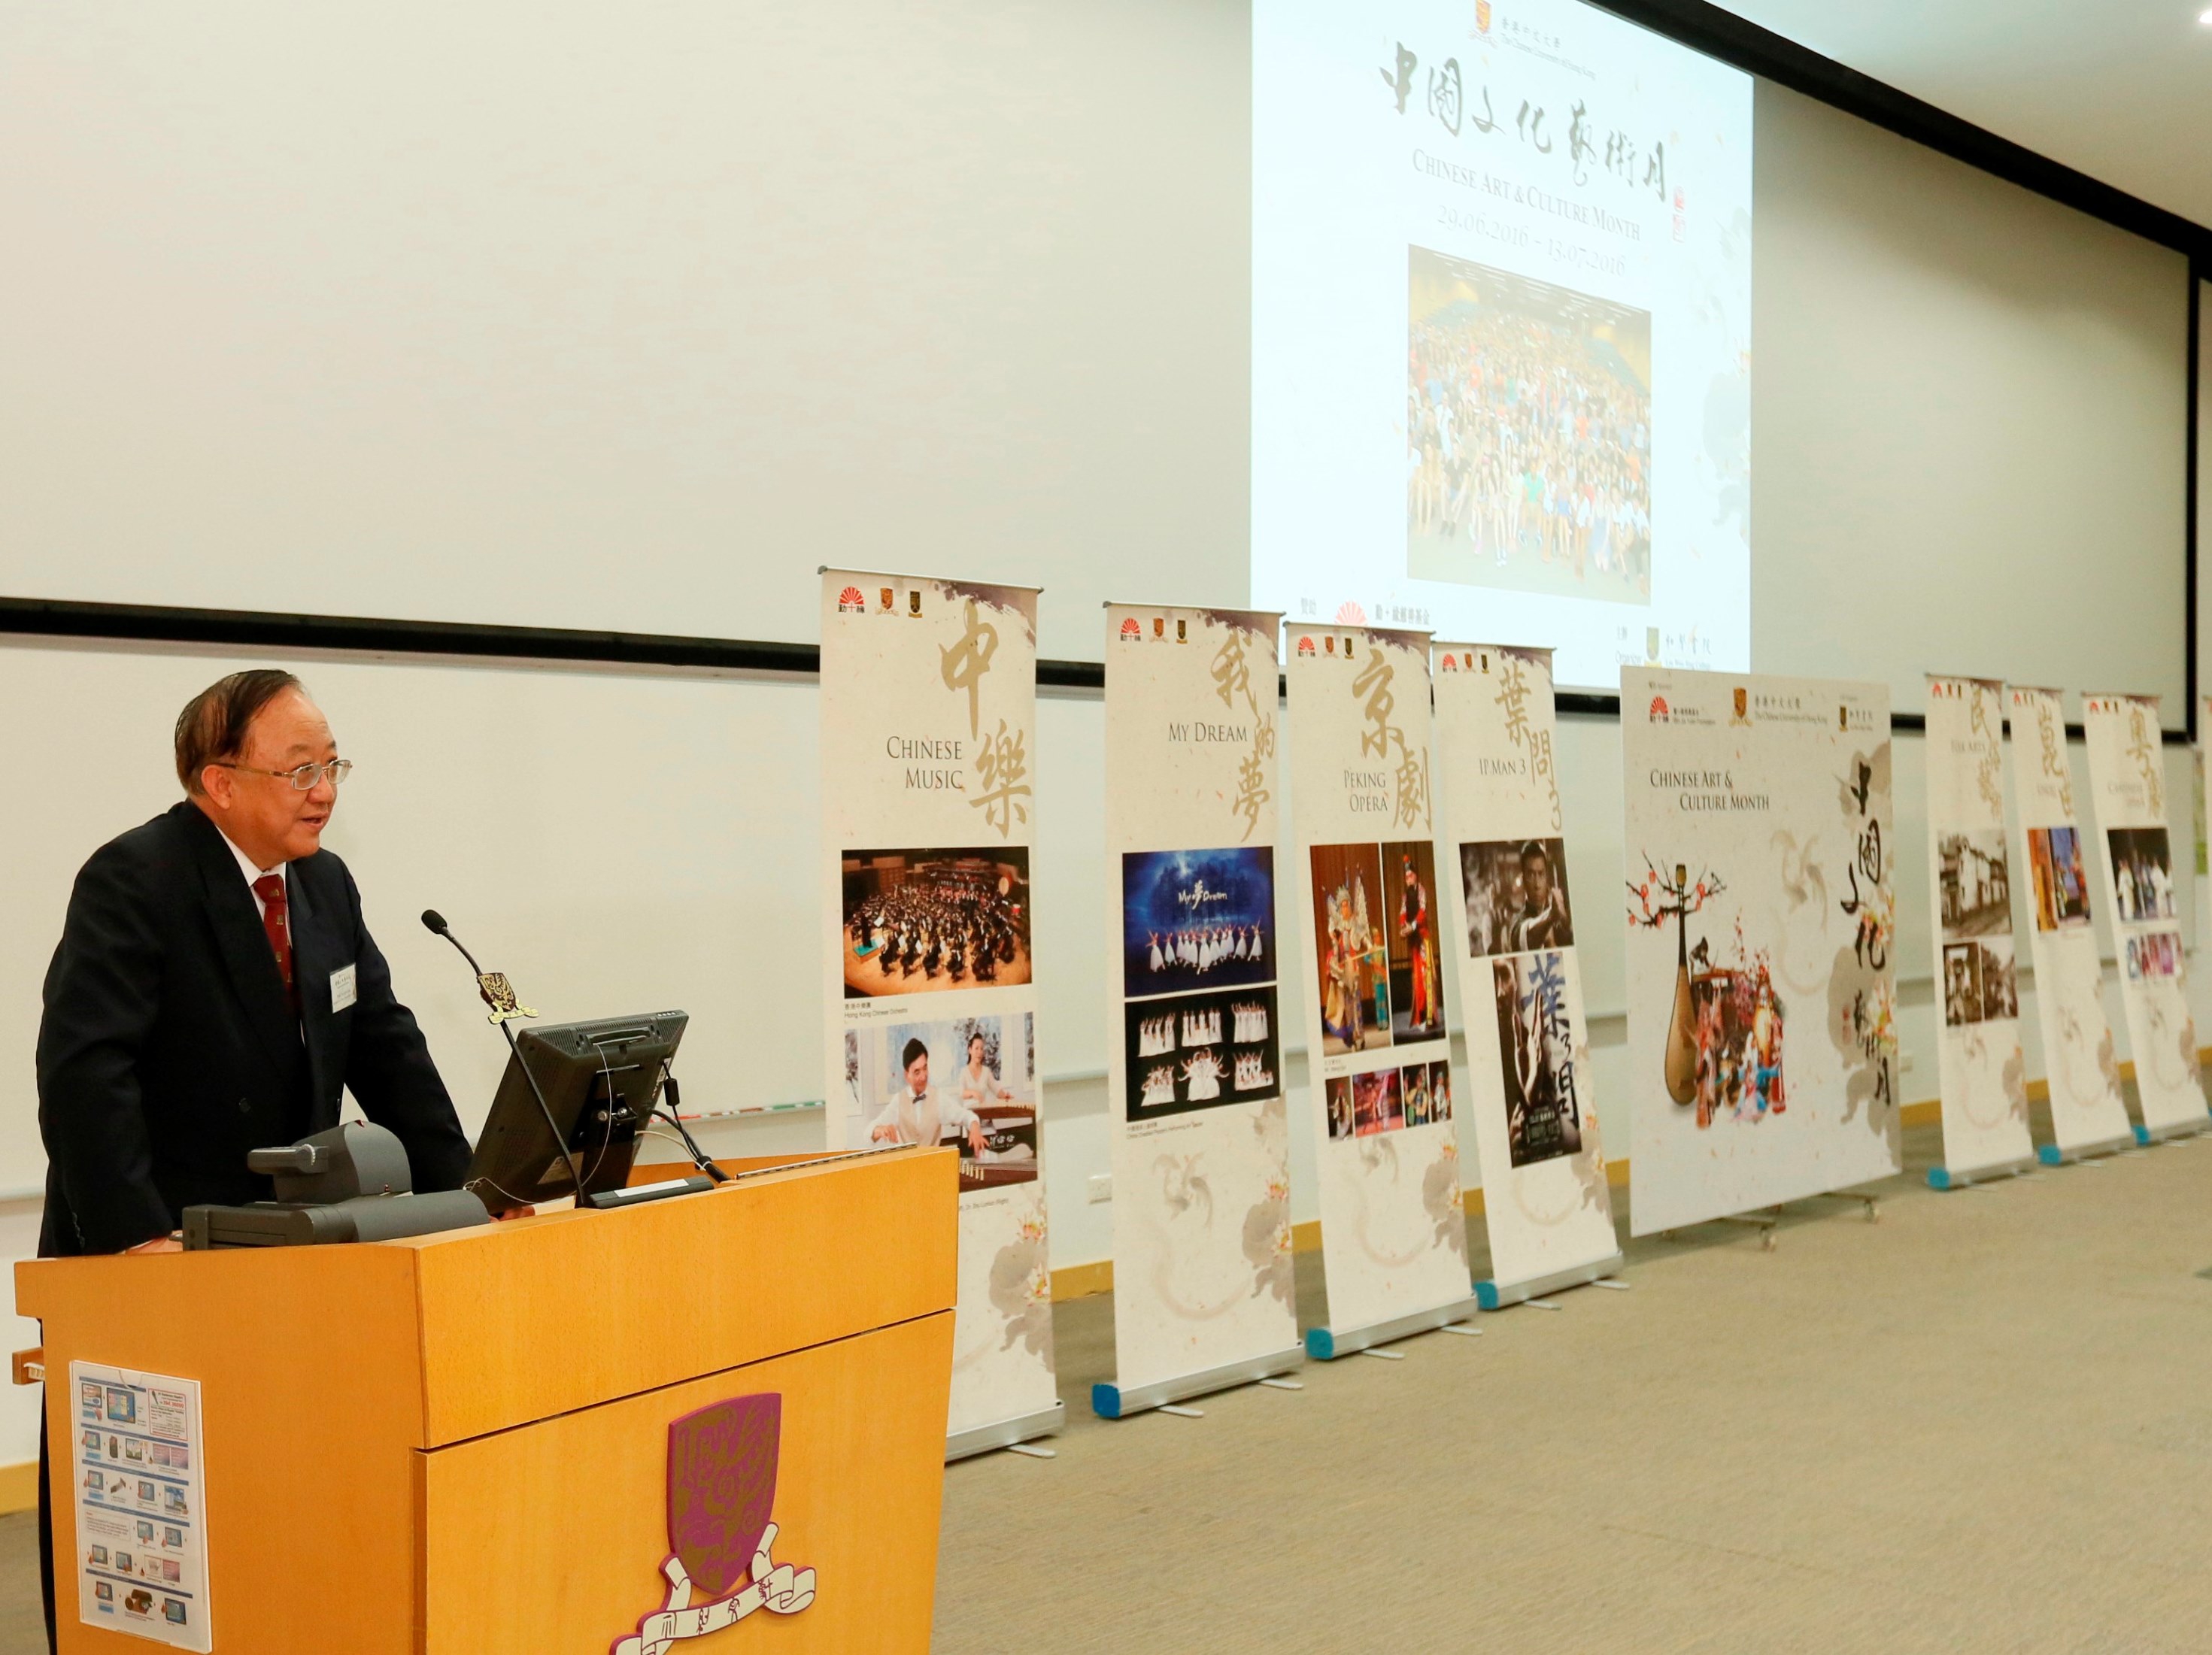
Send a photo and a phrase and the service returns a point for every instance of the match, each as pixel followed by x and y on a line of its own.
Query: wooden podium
pixel 462 1442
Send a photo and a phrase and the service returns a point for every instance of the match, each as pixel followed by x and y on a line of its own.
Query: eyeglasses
pixel 304 778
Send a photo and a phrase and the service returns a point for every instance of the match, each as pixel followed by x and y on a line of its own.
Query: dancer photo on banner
pixel 1197 918
pixel 1189 1052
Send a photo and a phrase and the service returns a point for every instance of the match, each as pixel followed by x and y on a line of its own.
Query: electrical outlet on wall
pixel 1102 1186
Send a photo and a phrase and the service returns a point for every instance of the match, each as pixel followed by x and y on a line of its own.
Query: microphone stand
pixel 500 1017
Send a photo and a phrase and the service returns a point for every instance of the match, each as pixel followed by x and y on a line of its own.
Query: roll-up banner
pixel 1202 1275
pixel 2087 1112
pixel 1509 906
pixel 1378 1047
pixel 2127 783
pixel 1981 1072
pixel 1762 977
pixel 928 767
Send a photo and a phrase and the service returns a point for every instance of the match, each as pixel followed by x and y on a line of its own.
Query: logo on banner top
pixel 1482 16
pixel 1659 711
pixel 1305 646
pixel 721 1486
pixel 1742 714
pixel 1159 626
pixel 913 602
pixel 849 602
pixel 1131 633
pixel 1182 631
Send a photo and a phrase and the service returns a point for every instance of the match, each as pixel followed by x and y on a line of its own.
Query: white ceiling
pixel 2120 89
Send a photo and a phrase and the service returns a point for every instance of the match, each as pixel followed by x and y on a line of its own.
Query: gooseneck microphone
pixel 503 1008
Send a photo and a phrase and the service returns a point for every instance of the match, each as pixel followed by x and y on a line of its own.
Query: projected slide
pixel 1501 330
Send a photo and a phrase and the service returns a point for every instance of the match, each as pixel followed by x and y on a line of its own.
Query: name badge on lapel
pixel 341 994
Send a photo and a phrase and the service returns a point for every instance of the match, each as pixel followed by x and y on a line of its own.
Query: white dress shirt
pixel 251 873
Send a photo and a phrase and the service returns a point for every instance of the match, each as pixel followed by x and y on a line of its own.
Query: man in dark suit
pixel 215 989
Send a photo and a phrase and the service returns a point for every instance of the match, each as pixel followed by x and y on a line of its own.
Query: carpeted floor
pixel 1980 1423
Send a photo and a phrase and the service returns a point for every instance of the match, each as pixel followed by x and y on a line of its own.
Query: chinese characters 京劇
pixel 1373 684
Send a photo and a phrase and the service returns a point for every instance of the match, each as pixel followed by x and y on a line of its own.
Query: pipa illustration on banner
pixel 1202 1276
pixel 1762 987
pixel 1546 1205
pixel 1378 1042
pixel 929 757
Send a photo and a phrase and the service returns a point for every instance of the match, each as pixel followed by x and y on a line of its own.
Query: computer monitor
pixel 600 1080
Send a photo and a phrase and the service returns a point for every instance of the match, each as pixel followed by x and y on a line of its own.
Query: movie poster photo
pixel 935 921
pixel 1537 1043
pixel 2061 884
pixel 968 1082
pixel 1516 896
pixel 1188 1052
pixel 1197 918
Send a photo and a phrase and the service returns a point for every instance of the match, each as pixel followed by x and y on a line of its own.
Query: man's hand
pixel 159 1244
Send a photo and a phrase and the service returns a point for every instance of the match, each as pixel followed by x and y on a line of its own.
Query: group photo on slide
pixel 1528 434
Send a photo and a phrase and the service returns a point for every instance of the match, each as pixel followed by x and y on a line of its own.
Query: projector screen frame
pixel 1694 24
pixel 40 619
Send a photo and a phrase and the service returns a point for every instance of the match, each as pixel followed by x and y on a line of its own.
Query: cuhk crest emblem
pixel 722 1489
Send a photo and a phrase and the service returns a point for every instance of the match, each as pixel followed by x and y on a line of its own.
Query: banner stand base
pixel 1943 1178
pixel 2146 1135
pixel 1490 1295
pixel 1005 1433
pixel 2052 1156
pixel 1326 1344
pixel 1111 1402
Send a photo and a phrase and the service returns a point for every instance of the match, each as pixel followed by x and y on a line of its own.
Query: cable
pixel 434 923
pixel 670 1111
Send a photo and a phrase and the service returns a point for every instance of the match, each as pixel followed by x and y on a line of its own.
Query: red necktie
pixel 276 921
